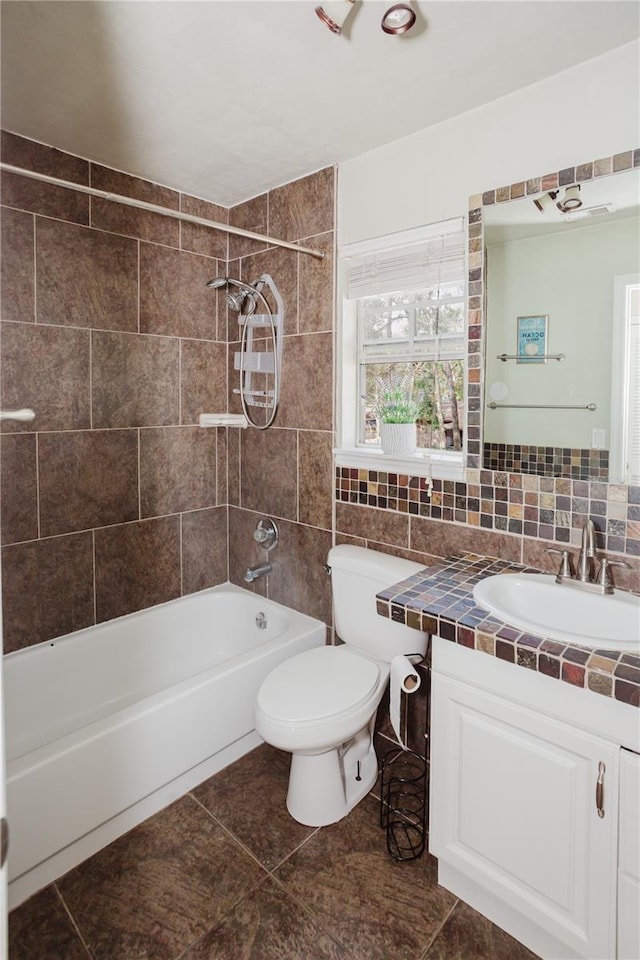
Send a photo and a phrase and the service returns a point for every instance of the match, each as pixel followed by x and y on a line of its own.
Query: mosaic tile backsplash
pixel 579 464
pixel 544 508
pixel 440 601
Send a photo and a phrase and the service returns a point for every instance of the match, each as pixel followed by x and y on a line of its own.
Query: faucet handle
pixel 266 533
pixel 604 574
pixel 566 570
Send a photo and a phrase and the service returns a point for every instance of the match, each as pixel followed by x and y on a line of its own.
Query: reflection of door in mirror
pixel 625 381
pixel 555 417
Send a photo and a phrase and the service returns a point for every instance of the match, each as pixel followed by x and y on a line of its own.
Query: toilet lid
pixel 317 684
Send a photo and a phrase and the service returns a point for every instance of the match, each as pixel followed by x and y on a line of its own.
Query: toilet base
pixel 324 787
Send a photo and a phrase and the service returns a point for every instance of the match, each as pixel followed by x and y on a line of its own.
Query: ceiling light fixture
pixel 398 19
pixel 546 201
pixel 333 14
pixel 571 199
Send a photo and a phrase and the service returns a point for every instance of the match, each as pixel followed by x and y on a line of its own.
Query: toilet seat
pixel 317 685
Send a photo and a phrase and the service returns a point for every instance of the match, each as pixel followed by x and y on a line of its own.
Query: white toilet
pixel 321 705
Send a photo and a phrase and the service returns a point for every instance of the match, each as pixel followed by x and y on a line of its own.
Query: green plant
pixel 397 406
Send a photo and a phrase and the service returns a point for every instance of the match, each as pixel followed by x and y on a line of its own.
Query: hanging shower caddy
pixel 254 362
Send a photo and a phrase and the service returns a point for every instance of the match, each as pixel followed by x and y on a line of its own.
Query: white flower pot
pixel 398 437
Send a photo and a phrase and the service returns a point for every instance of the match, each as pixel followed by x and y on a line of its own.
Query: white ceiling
pixel 227 98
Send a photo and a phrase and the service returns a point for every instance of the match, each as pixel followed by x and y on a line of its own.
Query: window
pixel 403 331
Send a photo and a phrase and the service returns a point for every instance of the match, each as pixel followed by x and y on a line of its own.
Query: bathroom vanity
pixel 535 772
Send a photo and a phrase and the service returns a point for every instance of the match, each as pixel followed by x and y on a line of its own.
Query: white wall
pixel 585 113
pixel 569 277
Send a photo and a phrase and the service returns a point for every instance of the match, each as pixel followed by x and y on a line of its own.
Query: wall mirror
pixel 562 335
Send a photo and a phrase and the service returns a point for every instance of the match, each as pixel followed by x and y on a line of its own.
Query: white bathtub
pixel 108 725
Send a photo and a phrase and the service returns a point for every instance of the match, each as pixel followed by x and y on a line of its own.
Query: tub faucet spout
pixel 253 573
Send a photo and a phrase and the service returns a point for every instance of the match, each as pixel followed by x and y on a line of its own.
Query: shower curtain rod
pixel 163 211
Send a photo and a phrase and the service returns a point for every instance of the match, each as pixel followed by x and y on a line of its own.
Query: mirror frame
pixel 476 295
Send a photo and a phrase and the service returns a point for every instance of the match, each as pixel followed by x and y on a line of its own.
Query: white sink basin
pixel 535 602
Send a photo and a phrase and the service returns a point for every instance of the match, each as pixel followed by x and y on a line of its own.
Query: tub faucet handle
pixel 266 533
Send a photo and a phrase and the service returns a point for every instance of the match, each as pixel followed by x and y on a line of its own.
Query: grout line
pixel 425 953
pixel 112 330
pixel 180 381
pixel 230 834
pixel 72 919
pixel 110 526
pixel 35 270
pixel 39 526
pixel 90 380
pixel 139 432
pixel 95 586
pixel 180 550
pixel 139 288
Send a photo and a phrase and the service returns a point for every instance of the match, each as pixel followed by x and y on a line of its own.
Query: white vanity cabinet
pixel 629 858
pixel 524 805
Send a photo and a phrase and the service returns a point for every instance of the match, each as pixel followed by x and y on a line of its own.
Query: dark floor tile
pixel 467 935
pixel 249 798
pixel 268 925
pixel 40 929
pixel 153 892
pixel 378 907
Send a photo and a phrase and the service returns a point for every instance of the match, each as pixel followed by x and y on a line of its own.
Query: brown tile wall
pixel 286 472
pixel 113 499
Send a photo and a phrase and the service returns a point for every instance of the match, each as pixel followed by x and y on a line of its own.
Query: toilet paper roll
pixel 404 679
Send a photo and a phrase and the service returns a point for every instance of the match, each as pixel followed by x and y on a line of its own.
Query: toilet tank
pixel 357 575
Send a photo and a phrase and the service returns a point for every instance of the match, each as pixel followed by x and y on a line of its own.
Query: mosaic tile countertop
pixel 439 600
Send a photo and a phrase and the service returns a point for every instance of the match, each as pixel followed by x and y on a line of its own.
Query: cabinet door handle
pixel 600 789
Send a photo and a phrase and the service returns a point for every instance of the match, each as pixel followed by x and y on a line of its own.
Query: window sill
pixel 446 466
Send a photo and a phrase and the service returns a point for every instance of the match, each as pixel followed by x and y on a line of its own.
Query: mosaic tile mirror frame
pixel 543 461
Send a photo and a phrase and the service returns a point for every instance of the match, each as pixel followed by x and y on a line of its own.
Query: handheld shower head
pixel 237 301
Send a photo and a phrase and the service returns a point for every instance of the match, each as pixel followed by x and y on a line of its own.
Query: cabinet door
pixel 513 808
pixel 629 858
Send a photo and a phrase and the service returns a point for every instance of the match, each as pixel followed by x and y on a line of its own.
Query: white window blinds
pixel 437 258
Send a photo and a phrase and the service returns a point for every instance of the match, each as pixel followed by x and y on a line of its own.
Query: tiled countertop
pixel 439 600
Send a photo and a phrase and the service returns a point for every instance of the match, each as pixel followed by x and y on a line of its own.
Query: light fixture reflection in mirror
pixel 334 13
pixel 398 19
pixel 562 265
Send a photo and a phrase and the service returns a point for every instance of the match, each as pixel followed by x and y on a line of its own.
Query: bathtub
pixel 107 725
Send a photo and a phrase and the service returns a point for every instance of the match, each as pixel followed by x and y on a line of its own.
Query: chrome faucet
pixel 253 573
pixel 585 576
pixel 587 554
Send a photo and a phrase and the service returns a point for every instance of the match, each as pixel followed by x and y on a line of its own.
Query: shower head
pixel 237 301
